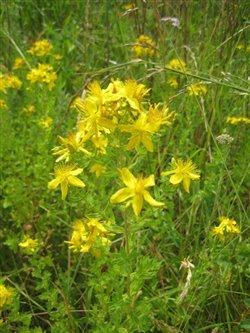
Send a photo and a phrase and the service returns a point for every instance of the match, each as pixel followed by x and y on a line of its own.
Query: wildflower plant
pixel 116 126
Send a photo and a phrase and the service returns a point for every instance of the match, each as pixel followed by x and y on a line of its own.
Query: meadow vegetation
pixel 124 166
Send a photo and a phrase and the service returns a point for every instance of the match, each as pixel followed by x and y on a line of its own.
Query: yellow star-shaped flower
pixel 184 171
pixel 65 175
pixel 135 190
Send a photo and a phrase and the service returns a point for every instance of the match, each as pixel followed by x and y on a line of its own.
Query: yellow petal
pixel 147 142
pixel 76 172
pixel 147 196
pixel 137 204
pixel 133 103
pixel 107 123
pixel 126 128
pixel 127 177
pixel 76 181
pixel 176 179
pixel 193 176
pixel 64 189
pixel 133 142
pixel 85 248
pixel 53 183
pixel 121 195
pixel 149 181
pixel 186 184
pixel 166 173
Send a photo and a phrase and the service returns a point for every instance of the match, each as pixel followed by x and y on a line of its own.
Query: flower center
pixel 139 187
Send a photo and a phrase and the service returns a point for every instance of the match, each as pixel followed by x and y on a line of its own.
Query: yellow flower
pixel 237 120
pixel 79 236
pixel 98 169
pixel 141 132
pixel 130 91
pixel 40 48
pixel 144 46
pixel 147 124
pixel 173 82
pixel 177 64
pixel 227 226
pixel 184 171
pixel 197 89
pixel 29 244
pixel 77 104
pixel 65 176
pixel 87 234
pixel 9 81
pixel 19 63
pixel 135 191
pixel 240 47
pixel 92 120
pixel 129 6
pixel 134 93
pixel 57 56
pixel 5 295
pixel 29 109
pixel 72 143
pixel 3 104
pixel 156 118
pixel 43 74
pixel 46 122
pixel 100 143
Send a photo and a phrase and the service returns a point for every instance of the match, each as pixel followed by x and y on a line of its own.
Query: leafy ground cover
pixel 125 166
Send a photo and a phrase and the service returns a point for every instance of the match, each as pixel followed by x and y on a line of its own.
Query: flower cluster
pixel 43 74
pixel 40 48
pixel 9 81
pixel 197 89
pixel 3 104
pixel 29 109
pixel 120 108
pixel 177 64
pixel 89 234
pixel 46 122
pixel 19 63
pixel 224 139
pixel 172 81
pixel 226 227
pixel 237 120
pixel 5 295
pixel 144 46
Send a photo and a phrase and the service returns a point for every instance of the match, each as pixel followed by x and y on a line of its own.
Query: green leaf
pixel 245 324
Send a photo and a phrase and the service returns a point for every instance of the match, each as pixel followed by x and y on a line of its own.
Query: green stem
pixel 127 248
pixel 209 79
